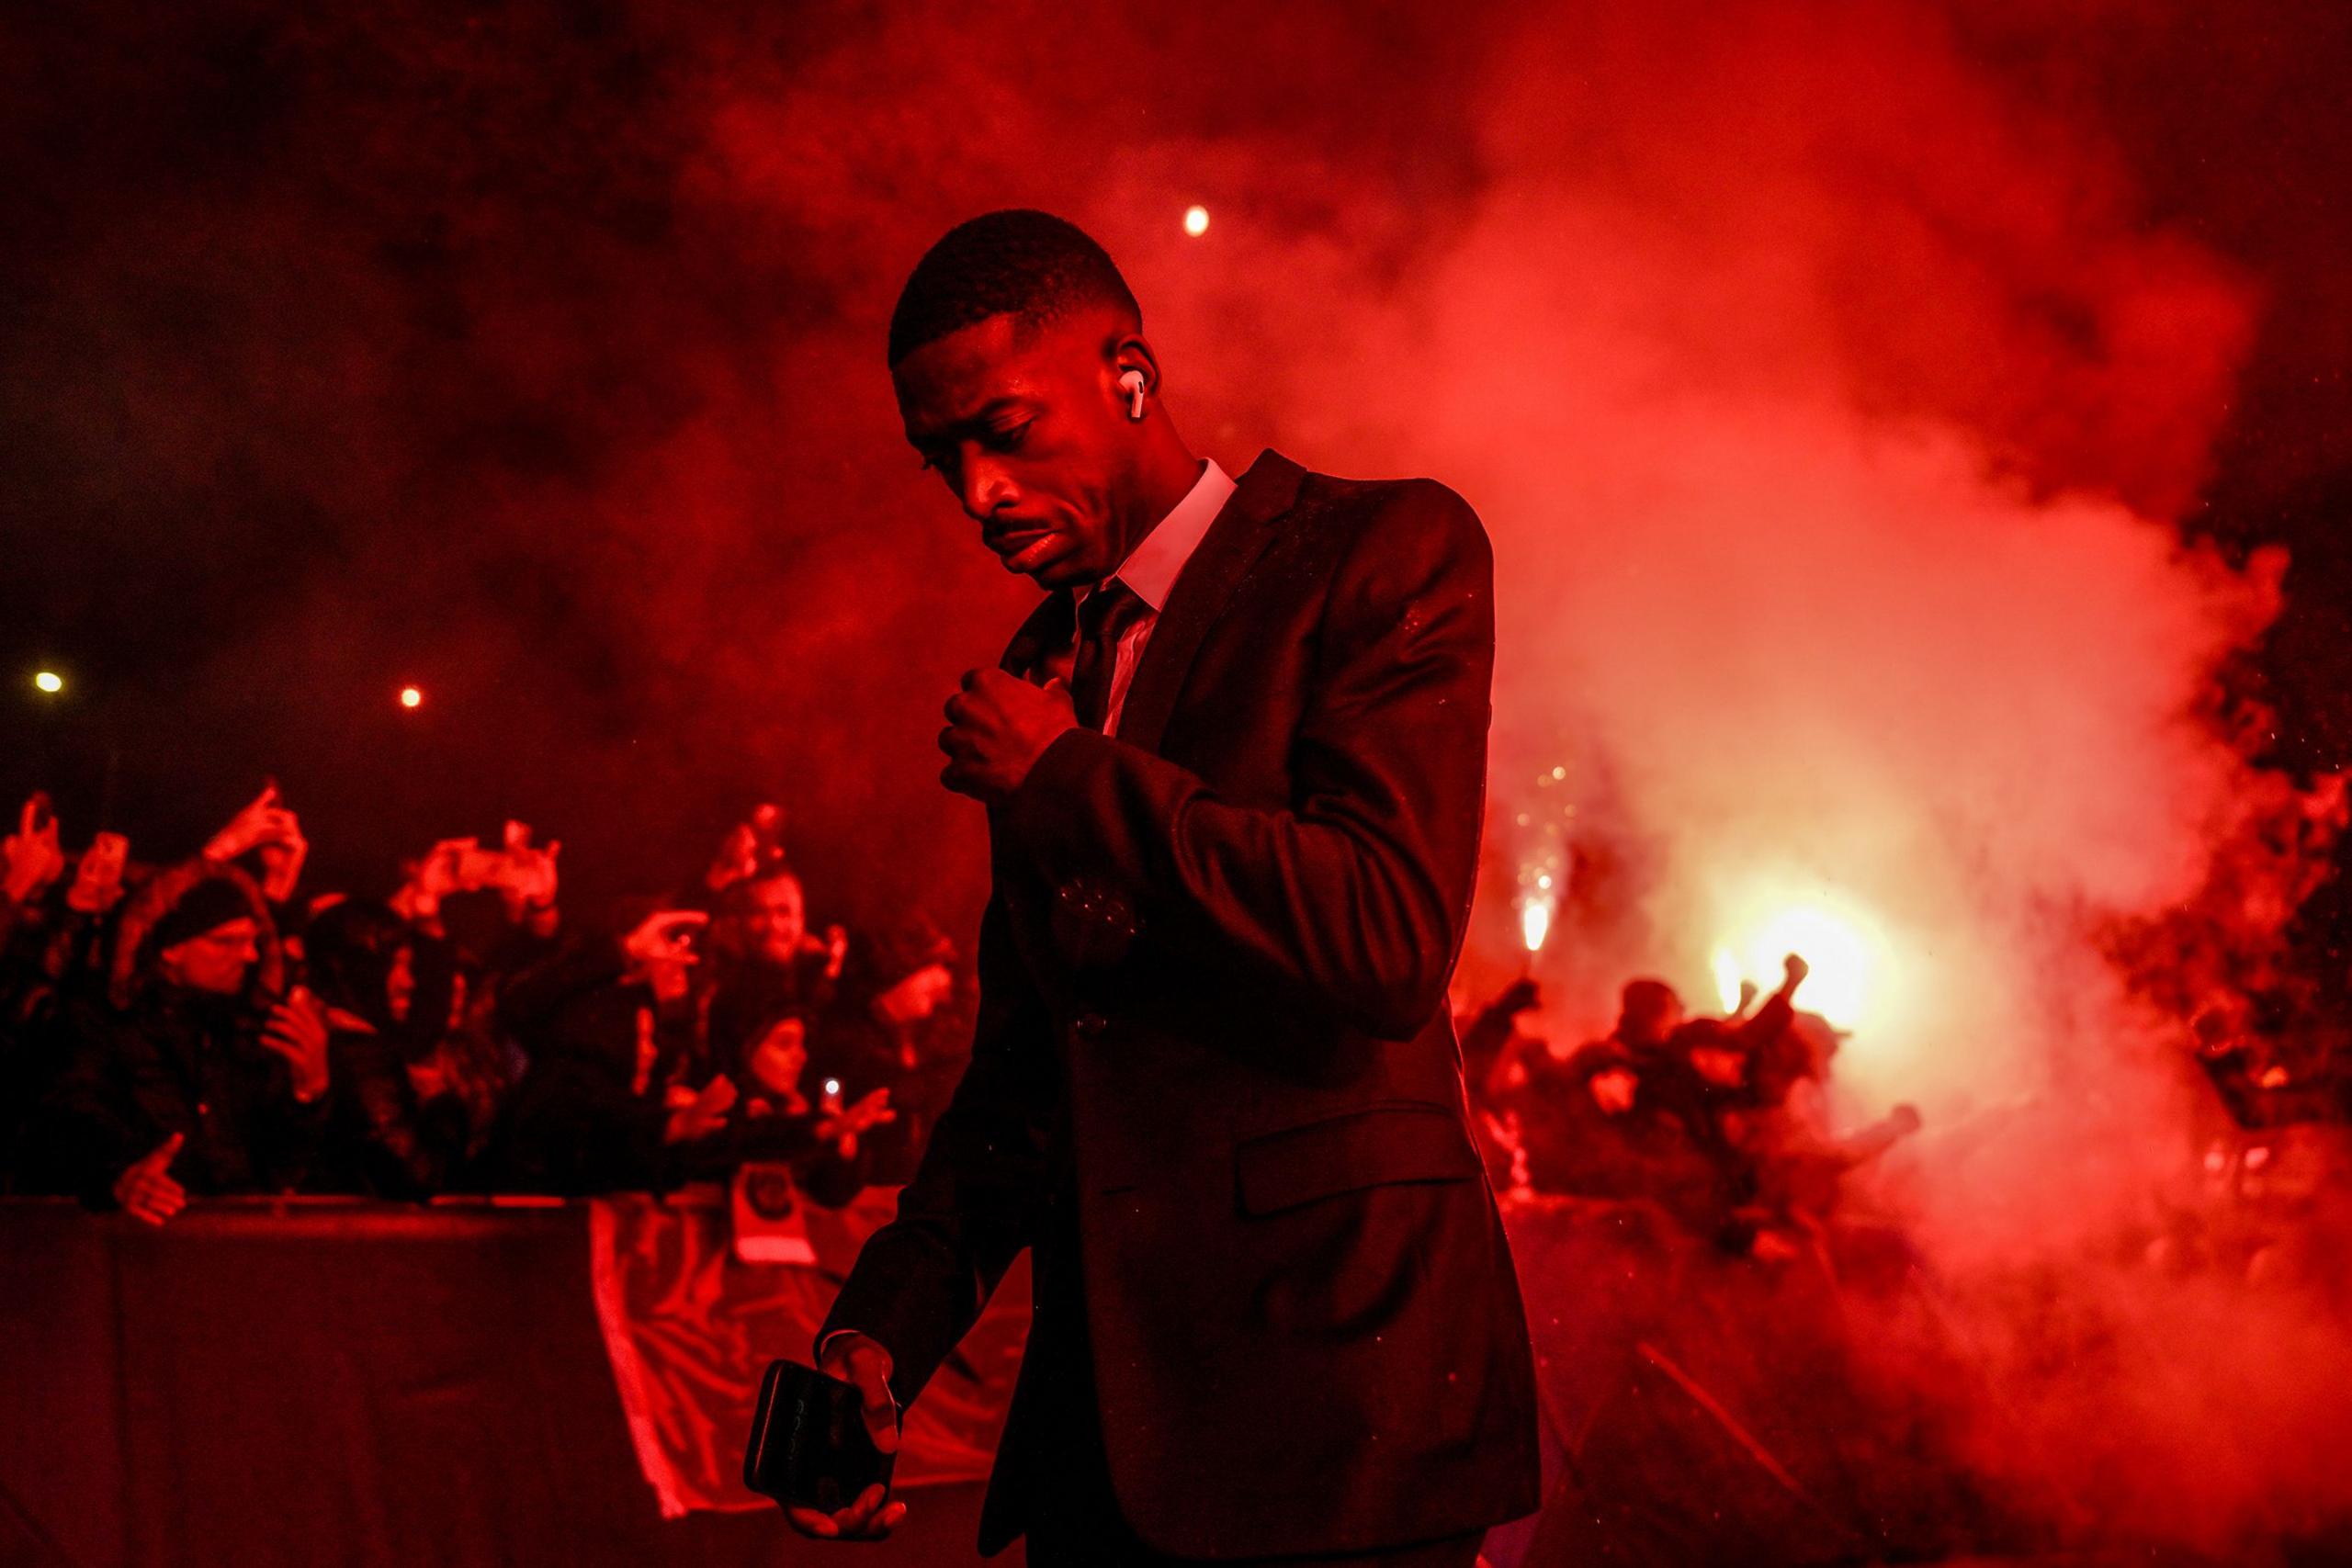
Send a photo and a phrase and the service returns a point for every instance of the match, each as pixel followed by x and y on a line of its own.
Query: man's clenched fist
pixel 997 726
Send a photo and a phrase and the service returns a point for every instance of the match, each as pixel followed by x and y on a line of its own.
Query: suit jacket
pixel 1213 976
pixel 177 1061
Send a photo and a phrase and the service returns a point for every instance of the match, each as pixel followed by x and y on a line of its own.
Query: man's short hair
pixel 1644 1003
pixel 736 899
pixel 1031 265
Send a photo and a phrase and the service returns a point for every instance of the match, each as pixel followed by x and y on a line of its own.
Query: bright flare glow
pixel 1727 979
pixel 411 697
pixel 833 1085
pixel 1534 922
pixel 49 680
pixel 1196 221
pixel 1852 962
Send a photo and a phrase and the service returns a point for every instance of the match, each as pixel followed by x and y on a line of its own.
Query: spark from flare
pixel 1727 979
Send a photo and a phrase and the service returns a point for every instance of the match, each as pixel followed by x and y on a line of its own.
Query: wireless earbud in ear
pixel 1131 383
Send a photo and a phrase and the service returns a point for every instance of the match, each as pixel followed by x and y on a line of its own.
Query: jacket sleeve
pixel 396 1147
pixel 532 995
pixel 86 1130
pixel 921 1280
pixel 1767 1024
pixel 1353 896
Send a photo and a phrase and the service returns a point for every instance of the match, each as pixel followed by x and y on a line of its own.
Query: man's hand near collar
pixel 997 726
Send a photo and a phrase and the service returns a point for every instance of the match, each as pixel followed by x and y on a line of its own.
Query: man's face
pixel 776 919
pixel 1653 1023
pixel 669 978
pixel 779 1058
pixel 215 961
pixel 1029 429
pixel 1613 1089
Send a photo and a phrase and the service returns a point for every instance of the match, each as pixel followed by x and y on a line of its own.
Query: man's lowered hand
pixel 863 1363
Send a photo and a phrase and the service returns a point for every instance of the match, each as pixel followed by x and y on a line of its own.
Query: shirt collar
pixel 1151 567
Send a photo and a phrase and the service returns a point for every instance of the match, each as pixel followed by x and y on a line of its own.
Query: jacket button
pixel 1090 1025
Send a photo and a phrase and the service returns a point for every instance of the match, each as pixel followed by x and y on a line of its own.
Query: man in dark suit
pixel 1235 768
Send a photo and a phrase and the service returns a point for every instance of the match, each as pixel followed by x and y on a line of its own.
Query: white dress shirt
pixel 1150 572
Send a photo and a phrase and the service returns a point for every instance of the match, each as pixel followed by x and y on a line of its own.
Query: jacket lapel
pixel 1053 623
pixel 1224 556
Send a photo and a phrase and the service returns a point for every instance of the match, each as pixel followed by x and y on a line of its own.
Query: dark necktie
pixel 1105 616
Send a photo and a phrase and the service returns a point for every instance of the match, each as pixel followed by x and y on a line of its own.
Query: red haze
pixel 1832 405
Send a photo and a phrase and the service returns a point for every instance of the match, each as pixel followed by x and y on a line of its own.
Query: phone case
pixel 808 1446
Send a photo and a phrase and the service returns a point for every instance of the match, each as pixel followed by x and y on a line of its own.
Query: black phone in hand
pixel 810 1448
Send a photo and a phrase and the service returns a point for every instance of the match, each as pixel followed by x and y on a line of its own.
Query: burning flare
pixel 1534 922
pixel 1852 962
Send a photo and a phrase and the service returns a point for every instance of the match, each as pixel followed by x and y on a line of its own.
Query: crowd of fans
pixel 211 1027
pixel 1721 1122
